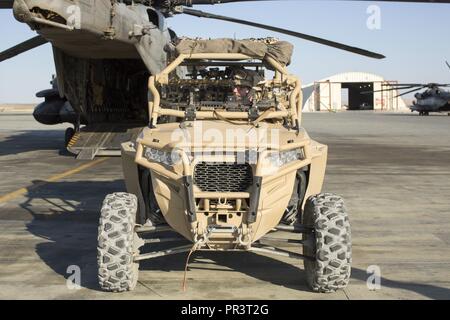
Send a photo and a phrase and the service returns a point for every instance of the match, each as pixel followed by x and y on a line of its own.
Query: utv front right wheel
pixel 117 243
pixel 329 244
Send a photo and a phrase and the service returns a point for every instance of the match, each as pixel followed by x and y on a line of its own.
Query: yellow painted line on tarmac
pixel 20 192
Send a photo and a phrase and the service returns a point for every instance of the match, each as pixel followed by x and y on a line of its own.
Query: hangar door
pixel 358 99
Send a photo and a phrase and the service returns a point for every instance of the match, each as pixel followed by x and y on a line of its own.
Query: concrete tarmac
pixel 392 169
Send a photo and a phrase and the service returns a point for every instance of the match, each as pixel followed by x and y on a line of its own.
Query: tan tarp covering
pixel 281 51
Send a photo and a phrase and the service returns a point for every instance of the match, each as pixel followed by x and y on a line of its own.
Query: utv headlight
pixel 167 158
pixel 279 159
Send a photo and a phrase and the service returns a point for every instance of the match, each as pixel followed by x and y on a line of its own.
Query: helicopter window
pixel 154 18
pixel 173 35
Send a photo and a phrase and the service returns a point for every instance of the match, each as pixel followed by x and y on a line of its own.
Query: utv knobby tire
pixel 330 243
pixel 117 272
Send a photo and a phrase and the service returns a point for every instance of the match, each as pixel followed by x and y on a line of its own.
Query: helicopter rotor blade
pixel 429 85
pixel 406 85
pixel 205 2
pixel 200 2
pixel 201 14
pixel 22 47
pixel 448 64
pixel 398 86
pixel 436 85
pixel 385 90
pixel 6 4
pixel 408 92
pixel 418 1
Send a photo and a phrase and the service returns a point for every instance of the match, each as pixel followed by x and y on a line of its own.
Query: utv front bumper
pixel 198 199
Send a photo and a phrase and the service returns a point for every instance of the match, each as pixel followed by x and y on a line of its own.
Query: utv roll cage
pixel 292 112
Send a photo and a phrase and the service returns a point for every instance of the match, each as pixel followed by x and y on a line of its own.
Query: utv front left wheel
pixel 117 243
pixel 329 245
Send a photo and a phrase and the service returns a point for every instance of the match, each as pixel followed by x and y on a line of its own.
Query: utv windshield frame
pixel 293 111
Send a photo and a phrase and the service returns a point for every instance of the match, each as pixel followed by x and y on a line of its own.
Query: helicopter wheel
pixel 68 135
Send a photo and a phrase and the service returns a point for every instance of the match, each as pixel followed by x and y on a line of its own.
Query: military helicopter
pixel 433 99
pixel 104 53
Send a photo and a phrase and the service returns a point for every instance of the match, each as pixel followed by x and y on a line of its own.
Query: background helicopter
pixel 433 99
pixel 104 52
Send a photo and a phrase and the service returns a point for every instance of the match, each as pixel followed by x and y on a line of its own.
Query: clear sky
pixel 414 37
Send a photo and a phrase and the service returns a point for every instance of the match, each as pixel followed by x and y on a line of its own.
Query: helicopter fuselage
pixel 104 52
pixel 431 101
pixel 99 29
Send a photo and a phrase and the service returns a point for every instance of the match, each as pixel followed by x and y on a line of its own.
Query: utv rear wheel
pixel 329 243
pixel 117 243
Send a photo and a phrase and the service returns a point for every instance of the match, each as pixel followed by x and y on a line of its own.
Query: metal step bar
pixel 260 246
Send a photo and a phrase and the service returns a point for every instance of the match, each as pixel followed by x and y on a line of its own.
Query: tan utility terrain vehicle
pixel 223 163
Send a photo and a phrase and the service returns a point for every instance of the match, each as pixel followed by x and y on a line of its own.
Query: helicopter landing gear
pixel 68 135
pixel 424 113
pixel 70 132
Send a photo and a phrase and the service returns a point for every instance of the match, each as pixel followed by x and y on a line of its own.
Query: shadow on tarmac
pixel 33 140
pixel 426 290
pixel 68 220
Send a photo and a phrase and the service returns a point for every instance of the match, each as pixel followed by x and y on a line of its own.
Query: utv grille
pixel 223 177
